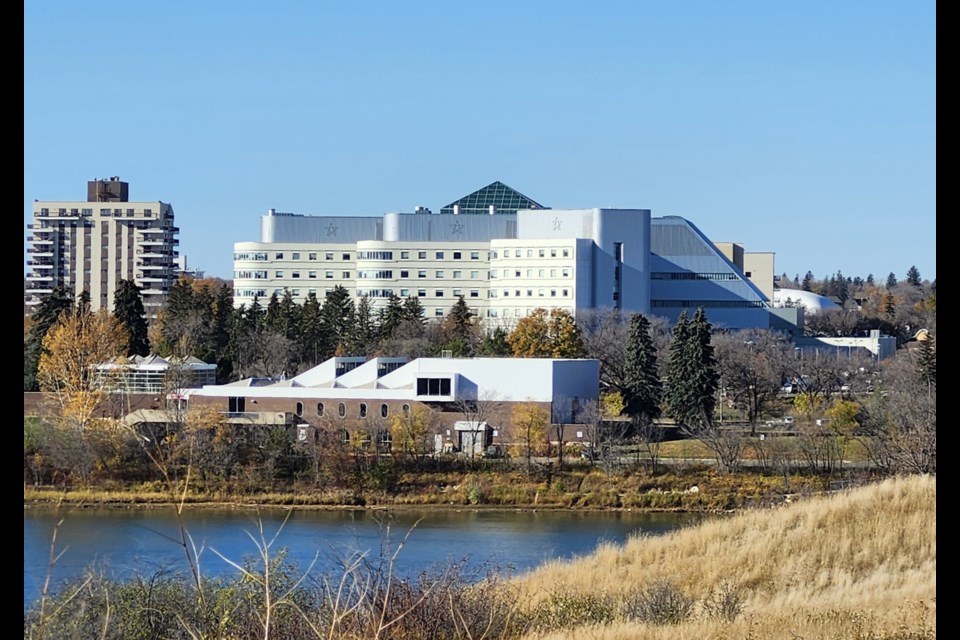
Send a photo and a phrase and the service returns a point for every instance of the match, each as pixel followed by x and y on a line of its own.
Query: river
pixel 130 541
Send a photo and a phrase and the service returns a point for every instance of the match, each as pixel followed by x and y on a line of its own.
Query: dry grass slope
pixel 860 564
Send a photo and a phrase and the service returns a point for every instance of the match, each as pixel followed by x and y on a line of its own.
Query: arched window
pixel 299 408
pixel 384 410
pixel 320 409
pixel 342 410
pixel 363 409
pixel 406 409
pixel 344 436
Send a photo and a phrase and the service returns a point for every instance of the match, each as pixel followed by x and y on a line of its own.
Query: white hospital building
pixel 508 255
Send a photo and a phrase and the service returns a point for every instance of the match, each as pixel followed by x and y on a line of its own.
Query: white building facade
pixel 505 262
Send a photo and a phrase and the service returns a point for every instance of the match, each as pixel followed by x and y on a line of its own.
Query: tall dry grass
pixel 859 564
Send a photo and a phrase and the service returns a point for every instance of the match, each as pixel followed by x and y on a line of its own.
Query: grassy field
pixel 859 564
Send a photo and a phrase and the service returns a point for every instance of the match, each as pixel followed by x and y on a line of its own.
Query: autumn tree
pixel 412 432
pixel 543 335
pixel 753 364
pixel 128 310
pixel 530 422
pixel 74 370
pixel 605 334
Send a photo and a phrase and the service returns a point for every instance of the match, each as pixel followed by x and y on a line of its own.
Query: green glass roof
pixel 503 198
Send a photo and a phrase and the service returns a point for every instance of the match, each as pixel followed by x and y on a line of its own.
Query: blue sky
pixel 807 129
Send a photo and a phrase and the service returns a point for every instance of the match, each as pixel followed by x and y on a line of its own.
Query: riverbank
pixel 578 488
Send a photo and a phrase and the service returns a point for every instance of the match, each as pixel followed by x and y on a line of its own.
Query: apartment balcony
pixel 39 289
pixel 38 240
pixel 151 267
pixel 38 264
pixel 39 277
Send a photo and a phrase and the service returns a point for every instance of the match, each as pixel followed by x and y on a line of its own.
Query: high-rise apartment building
pixel 92 245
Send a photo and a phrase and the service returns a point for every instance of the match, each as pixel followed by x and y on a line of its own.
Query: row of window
pixel 103 212
pixel 361 412
pixel 518 312
pixel 531 273
pixel 361 255
pixel 541 293
pixel 540 253
pixel 263 274
pixel 687 275
pixel 707 304
pixel 294 255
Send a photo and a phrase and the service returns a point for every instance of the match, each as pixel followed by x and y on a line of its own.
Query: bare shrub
pixel 725 602
pixel 662 602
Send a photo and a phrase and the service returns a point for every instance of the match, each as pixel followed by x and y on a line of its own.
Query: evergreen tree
pixel 391 317
pixel 841 288
pixel 495 344
pixel 458 330
pixel 310 339
pixel 693 375
pixel 679 392
pixel 807 284
pixel 870 280
pixel 413 310
pixel 222 321
pixel 708 373
pixel 339 315
pixel 128 310
pixel 642 389
pixel 274 318
pixel 45 316
pixel 363 337
pixel 891 281
pixel 913 276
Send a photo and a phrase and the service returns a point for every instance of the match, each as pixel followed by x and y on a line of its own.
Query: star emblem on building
pixel 331 229
pixel 456 228
pixel 556 224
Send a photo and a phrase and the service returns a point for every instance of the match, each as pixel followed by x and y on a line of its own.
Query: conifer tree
pixel 642 389
pixel 413 310
pixel 807 284
pixel 927 362
pixel 913 276
pixel 458 330
pixel 391 317
pixel 339 315
pixel 45 316
pixel 363 336
pixel 891 280
pixel 128 310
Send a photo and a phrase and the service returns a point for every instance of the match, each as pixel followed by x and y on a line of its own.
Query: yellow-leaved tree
pixel 412 431
pixel 547 335
pixel 73 349
pixel 68 371
pixel 529 429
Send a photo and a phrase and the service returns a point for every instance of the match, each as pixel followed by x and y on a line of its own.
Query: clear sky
pixel 803 128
